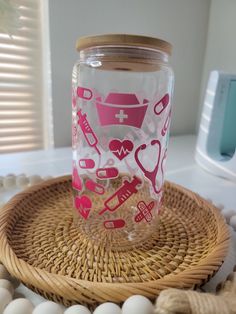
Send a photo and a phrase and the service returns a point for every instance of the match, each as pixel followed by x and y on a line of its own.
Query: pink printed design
pixel 83 205
pixel 74 135
pixel 84 93
pixel 109 162
pixel 166 124
pixel 160 106
pixel 107 173
pixel 88 132
pixel 121 149
pixel 121 195
pixel 86 163
pixel 76 181
pixel 94 187
pixel 114 224
pixel 150 175
pixel 144 211
pixel 121 109
pixel 162 170
pixel 73 96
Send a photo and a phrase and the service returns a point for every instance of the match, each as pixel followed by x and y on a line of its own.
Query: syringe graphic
pixel 89 134
pixel 121 195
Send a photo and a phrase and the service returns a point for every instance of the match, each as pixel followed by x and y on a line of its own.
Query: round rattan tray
pixel 40 245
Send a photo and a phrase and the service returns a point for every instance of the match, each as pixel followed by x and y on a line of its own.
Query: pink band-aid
pixel 107 173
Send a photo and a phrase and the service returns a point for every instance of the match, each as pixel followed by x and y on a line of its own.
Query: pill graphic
pixel 107 173
pixel 94 187
pixel 84 93
pixel 86 163
pixel 114 224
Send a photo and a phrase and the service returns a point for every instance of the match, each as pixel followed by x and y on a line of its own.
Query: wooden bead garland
pixel 173 301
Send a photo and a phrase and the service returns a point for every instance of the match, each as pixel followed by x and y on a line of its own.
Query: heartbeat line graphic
pixel 121 151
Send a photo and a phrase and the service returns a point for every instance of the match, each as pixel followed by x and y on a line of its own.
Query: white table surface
pixel 181 169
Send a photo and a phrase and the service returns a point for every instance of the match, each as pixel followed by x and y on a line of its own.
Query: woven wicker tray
pixel 40 245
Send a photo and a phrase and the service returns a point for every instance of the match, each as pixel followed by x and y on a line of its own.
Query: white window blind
pixel 22 123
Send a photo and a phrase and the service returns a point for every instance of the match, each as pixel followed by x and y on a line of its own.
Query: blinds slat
pixel 16 105
pixel 16 122
pixel 19 147
pixel 14 67
pixel 5 132
pixel 18 114
pixel 4 57
pixel 21 43
pixel 27 32
pixel 16 96
pixel 19 139
pixel 16 50
pixel 28 12
pixel 17 79
pixel 27 3
pixel 16 87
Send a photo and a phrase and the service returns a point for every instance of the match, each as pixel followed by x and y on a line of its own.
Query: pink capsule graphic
pixel 84 93
pixel 85 163
pixel 114 224
pixel 94 187
pixel 107 173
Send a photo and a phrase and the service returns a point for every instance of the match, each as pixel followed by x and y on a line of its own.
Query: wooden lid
pixel 124 40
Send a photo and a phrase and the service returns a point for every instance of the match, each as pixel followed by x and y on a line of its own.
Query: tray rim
pixel 73 289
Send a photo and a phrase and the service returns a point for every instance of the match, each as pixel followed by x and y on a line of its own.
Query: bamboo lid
pixel 124 40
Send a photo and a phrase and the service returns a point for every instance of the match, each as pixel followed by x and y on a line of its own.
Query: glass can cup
pixel 122 87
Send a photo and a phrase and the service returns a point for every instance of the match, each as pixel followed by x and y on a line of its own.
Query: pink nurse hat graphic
pixel 121 109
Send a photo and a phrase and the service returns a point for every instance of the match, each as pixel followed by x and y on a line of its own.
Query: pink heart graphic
pixel 121 149
pixel 83 205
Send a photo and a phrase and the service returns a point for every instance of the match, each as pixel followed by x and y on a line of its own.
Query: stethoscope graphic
pixel 150 175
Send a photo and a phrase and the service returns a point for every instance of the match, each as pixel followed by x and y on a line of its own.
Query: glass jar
pixel 122 87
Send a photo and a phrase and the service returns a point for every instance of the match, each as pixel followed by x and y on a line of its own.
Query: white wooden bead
pixel 22 181
pixel 4 274
pixel 77 309
pixel 48 307
pixel 5 298
pixel 15 282
pixel 220 206
pixel 34 179
pixel 228 213
pixel 232 222
pixel 9 182
pixel 6 284
pixel 19 306
pixel 108 308
pixel 137 304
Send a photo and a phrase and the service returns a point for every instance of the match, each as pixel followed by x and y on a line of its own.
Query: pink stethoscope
pixel 150 175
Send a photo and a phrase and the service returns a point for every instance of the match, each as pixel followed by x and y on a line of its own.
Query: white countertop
pixel 181 169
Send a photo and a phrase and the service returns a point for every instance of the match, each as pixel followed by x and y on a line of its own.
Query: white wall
pixel 221 40
pixel 182 22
